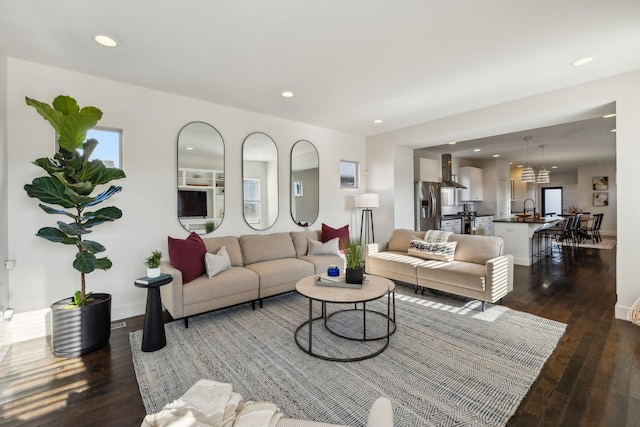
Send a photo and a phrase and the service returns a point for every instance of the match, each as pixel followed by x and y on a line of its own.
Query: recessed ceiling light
pixel 614 130
pixel 188 148
pixel 287 94
pixel 583 61
pixel 452 143
pixel 476 149
pixel 554 167
pixel 496 155
pixel 105 41
pixel 520 166
pixel 377 121
pixel 606 116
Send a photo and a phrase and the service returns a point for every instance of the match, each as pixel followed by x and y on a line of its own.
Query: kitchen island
pixel 518 236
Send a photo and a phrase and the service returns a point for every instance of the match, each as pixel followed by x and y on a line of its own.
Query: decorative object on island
pixel 153 264
pixel 353 252
pixel 527 173
pixel 367 201
pixel 82 323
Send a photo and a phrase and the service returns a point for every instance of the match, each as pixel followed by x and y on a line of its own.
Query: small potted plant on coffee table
pixel 353 253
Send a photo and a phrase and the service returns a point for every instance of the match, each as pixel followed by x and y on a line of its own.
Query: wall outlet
pixel 9 264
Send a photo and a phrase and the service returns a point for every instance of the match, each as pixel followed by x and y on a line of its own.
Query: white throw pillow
pixel 441 251
pixel 217 263
pixel 436 236
pixel 332 247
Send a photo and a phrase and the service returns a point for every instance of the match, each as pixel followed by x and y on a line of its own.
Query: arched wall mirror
pixel 260 181
pixel 200 177
pixel 305 183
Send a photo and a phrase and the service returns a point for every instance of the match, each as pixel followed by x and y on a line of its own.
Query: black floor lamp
pixel 367 201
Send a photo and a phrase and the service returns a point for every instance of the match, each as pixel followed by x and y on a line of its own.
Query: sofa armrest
pixel 499 277
pixel 171 293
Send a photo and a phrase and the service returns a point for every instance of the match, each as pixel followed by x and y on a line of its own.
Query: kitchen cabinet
pixel 483 225
pixel 429 170
pixel 452 225
pixel 470 177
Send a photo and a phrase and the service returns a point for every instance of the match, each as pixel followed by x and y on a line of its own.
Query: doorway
pixel 551 200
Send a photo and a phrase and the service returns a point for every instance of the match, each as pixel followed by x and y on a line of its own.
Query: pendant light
pixel 528 175
pixel 543 174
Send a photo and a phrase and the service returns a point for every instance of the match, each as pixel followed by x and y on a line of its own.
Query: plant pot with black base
pixel 354 272
pixel 80 330
pixel 354 275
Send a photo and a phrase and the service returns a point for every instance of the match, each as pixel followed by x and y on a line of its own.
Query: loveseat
pixel 260 266
pixel 475 267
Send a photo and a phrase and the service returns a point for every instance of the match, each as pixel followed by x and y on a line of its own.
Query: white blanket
pixel 212 404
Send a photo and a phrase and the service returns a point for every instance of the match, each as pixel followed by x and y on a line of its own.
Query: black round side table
pixel 153 336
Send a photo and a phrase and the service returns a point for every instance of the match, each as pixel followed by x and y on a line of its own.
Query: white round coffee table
pixel 373 288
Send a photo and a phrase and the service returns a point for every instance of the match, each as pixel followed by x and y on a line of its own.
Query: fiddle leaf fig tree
pixel 70 183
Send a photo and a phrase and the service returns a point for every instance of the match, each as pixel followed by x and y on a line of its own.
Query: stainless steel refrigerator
pixel 427 200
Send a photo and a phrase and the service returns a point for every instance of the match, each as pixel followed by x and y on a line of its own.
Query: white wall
pixel 150 121
pixel 585 194
pixel 4 227
pixel 561 106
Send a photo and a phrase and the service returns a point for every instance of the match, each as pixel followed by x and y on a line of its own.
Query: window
pixel 349 174
pixel 251 188
pixel 110 146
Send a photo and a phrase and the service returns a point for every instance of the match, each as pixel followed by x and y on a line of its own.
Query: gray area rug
pixel 447 364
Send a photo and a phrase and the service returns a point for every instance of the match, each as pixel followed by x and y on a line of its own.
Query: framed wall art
pixel 600 198
pixel 600 183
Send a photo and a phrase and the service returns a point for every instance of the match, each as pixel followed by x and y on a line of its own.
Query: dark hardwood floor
pixel 592 378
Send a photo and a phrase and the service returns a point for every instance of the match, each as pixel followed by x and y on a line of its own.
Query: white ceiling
pixel 347 62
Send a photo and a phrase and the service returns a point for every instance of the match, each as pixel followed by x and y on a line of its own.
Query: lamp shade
pixel 367 200
pixel 528 175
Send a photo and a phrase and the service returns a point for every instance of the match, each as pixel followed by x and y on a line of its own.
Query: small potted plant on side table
pixel 153 264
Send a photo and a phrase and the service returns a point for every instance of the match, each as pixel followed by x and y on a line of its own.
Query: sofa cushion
pixel 341 233
pixel 476 249
pixel 329 248
pixel 187 255
pixel 235 280
pixel 257 248
pixel 440 251
pixel 400 238
pixel 300 240
pixel 396 262
pixel 458 273
pixel 216 263
pixel 281 271
pixel 231 245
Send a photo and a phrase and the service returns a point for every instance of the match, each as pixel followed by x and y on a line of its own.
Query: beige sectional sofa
pixel 479 269
pixel 261 266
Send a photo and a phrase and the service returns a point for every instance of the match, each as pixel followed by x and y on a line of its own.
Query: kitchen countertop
pixel 457 216
pixel 543 220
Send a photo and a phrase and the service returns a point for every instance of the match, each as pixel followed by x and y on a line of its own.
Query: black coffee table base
pixel 389 316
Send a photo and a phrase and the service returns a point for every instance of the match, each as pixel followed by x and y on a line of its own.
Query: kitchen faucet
pixel 533 205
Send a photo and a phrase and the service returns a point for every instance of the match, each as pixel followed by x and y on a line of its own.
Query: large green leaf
pixel 47 112
pixel 85 262
pixel 54 235
pixel 50 210
pixel 93 247
pixel 82 188
pixel 49 190
pixel 103 263
pixel 87 148
pixel 72 229
pixel 104 195
pixel 108 214
pixel 77 199
pixel 66 105
pixel 47 164
pixel 74 123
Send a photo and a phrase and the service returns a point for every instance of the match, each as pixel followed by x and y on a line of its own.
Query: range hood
pixel 447 180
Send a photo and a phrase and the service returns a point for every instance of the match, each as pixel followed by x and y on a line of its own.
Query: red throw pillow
pixel 341 233
pixel 188 256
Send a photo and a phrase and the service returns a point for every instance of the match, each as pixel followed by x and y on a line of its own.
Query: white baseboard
pixel 621 312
